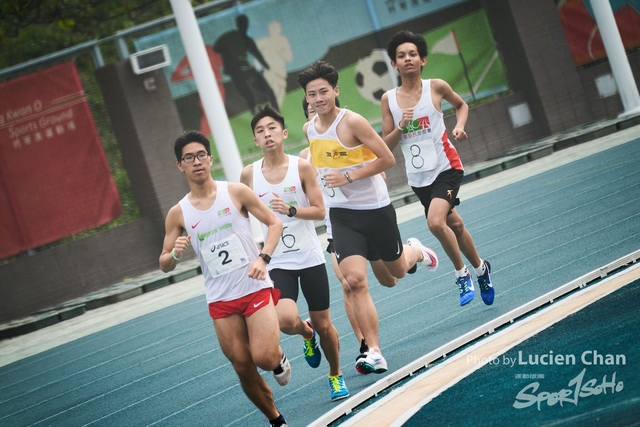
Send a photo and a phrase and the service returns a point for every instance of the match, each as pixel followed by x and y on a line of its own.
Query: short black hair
pixel 266 111
pixel 305 106
pixel 404 36
pixel 188 137
pixel 319 70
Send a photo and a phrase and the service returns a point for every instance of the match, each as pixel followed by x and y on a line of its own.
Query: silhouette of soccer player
pixel 234 47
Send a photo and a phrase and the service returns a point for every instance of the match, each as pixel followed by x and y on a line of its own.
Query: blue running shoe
pixel 486 288
pixel 465 284
pixel 311 350
pixel 338 388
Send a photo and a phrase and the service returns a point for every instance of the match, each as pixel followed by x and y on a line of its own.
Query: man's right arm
pixel 390 132
pixel 174 242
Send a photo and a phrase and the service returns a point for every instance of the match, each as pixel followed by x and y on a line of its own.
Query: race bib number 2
pixel 224 256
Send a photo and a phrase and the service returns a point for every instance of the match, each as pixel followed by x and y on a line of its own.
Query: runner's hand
pixel 181 245
pixel 459 134
pixel 278 205
pixel 258 269
pixel 334 179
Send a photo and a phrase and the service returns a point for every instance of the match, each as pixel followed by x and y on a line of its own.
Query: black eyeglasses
pixel 189 158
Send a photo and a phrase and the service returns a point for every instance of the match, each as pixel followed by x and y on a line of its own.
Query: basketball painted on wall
pixel 374 76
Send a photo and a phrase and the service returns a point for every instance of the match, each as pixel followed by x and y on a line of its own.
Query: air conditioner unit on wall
pixel 150 59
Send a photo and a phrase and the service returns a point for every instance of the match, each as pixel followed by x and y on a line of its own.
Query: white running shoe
pixel 372 363
pixel 429 256
pixel 282 373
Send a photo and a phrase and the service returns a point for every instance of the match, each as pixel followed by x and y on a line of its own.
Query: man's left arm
pixel 462 109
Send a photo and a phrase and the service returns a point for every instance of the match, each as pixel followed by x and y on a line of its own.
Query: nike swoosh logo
pixel 398 253
pixel 195 225
pixel 337 255
pixel 258 304
pixel 262 195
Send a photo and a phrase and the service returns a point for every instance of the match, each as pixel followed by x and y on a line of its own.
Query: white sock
pixel 480 270
pixel 462 272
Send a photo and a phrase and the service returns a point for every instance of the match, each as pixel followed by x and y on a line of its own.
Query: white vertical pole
pixel 208 89
pixel 617 56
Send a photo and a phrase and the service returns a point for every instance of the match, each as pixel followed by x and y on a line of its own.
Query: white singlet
pixel 299 246
pixel 425 145
pixel 222 239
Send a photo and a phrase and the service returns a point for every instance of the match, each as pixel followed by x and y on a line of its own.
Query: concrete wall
pixel 69 271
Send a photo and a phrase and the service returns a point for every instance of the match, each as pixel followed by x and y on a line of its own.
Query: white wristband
pixel 400 128
pixel 173 255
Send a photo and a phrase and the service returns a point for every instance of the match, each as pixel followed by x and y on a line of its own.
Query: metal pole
pixel 121 47
pixel 618 60
pixel 208 89
pixel 464 65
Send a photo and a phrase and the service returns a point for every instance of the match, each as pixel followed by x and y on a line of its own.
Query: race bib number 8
pixel 224 256
pixel 420 155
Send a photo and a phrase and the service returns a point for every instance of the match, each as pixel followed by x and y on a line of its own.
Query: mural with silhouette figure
pixel 234 47
pixel 183 72
pixel 276 49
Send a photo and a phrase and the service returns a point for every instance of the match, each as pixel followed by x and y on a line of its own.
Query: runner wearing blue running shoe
pixel 412 117
pixel 288 186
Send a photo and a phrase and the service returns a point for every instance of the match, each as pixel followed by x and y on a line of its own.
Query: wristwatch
pixel 265 257
pixel 292 211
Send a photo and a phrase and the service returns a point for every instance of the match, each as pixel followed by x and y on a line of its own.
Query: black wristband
pixel 292 211
pixel 265 257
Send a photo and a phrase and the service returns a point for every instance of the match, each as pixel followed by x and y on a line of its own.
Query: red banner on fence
pixel 54 176
pixel 582 31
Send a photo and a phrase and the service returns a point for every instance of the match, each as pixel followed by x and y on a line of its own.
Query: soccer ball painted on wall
pixel 373 76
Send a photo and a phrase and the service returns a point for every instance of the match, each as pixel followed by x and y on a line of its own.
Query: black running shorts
pixel 446 186
pixel 314 283
pixel 372 255
pixel 372 234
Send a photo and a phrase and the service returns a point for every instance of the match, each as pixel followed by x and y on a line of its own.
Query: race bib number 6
pixel 224 256
pixel 295 237
pixel 334 194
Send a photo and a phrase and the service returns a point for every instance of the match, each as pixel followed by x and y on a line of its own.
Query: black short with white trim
pixel 372 234
pixel 314 283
